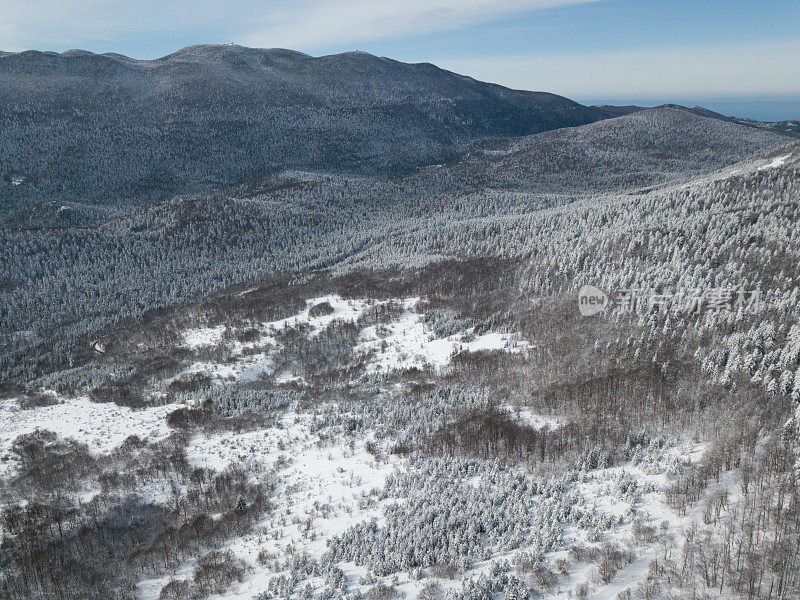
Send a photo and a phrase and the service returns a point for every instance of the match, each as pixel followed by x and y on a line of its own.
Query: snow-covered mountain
pixel 366 376
pixel 110 129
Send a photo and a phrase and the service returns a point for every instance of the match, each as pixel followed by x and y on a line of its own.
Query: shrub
pixel 320 310
pixel 432 590
pixel 176 589
pixel 381 591
pixel 216 571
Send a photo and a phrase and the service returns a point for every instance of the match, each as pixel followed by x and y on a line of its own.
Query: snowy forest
pixel 329 372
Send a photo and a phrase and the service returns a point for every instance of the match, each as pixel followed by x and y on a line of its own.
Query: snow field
pixel 402 344
pixel 102 427
pixel 323 488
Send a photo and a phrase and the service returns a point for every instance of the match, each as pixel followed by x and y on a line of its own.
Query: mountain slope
pixel 645 148
pixel 103 128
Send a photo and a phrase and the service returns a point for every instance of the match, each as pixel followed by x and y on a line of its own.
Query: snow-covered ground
pixel 528 417
pixel 323 488
pixel 247 366
pixel 406 343
pixel 401 344
pixel 778 161
pixel 203 336
pixel 102 427
pixel 326 484
pixel 606 489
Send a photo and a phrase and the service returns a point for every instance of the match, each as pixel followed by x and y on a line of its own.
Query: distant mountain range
pixel 106 128
pixel 114 131
pixel 790 127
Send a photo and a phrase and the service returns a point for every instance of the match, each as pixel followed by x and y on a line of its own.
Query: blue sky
pixel 741 56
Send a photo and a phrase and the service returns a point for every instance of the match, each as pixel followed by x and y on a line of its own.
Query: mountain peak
pixel 265 109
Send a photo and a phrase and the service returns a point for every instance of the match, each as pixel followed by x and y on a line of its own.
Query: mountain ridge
pixel 104 128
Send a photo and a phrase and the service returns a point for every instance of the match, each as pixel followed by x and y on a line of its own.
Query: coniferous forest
pixel 275 326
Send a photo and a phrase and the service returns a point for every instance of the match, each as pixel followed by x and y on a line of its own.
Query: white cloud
pixel 150 26
pixel 747 69
pixel 317 24
pixel 49 23
pixel 303 24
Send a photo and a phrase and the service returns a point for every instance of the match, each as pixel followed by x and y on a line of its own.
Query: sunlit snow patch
pixel 776 162
pixel 202 337
pixel 401 344
pixel 537 421
pixel 322 489
pixel 101 426
pixel 246 366
pixel 406 344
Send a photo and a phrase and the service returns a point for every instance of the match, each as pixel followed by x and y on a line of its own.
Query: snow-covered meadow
pixel 401 344
pixel 326 485
pixel 349 514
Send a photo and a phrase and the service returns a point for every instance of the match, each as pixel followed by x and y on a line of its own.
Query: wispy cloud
pixel 148 28
pixel 730 70
pixel 318 24
pixel 47 24
pixel 304 24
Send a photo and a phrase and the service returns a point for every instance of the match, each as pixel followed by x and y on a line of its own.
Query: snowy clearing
pixel 102 427
pixel 403 343
pixel 406 343
pixel 323 488
pixel 778 161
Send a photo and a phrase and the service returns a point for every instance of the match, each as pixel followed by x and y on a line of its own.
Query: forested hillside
pixel 367 377
pixel 109 130
pixel 65 286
